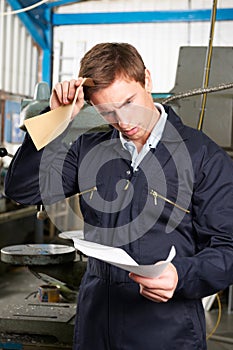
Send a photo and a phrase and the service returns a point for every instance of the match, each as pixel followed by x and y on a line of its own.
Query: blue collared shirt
pixel 151 142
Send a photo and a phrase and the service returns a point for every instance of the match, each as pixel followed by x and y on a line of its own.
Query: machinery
pixel 218 118
pixel 44 317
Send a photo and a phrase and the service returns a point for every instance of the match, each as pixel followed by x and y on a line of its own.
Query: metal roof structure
pixel 41 18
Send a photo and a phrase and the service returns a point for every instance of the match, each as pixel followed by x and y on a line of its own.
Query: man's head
pixel 107 61
pixel 122 90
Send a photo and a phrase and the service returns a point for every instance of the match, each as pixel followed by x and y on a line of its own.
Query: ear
pixel 148 81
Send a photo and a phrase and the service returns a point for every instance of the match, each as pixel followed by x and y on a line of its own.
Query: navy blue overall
pixel 181 195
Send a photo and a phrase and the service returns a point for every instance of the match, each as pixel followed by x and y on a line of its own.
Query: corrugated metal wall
pixel 158 43
pixel 18 55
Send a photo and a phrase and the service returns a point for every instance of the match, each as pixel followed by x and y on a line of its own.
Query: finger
pixel 72 87
pixel 146 281
pixel 59 95
pixel 76 92
pixel 63 93
pixel 56 97
pixel 79 103
pixel 67 91
pixel 158 295
pixel 154 298
pixel 162 293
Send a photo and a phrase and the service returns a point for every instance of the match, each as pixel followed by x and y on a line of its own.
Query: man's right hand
pixel 63 94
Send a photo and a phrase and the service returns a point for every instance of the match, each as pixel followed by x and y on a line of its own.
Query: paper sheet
pixel 46 127
pixel 71 234
pixel 118 257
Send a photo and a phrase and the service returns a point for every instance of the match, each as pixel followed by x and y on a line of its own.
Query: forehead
pixel 120 90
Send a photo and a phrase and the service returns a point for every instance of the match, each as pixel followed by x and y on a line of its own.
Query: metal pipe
pixel 207 65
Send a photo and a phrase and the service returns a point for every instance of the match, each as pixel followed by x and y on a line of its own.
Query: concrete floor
pixel 222 338
pixel 18 286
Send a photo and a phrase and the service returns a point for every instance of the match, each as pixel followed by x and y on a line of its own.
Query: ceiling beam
pixel 35 30
pixel 62 3
pixel 224 14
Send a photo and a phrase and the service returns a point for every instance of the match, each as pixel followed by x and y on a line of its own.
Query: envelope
pixel 45 127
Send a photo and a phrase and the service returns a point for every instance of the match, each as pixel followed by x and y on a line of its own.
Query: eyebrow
pixel 119 106
pixel 126 100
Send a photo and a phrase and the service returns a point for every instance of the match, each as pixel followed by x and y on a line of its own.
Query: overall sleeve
pixel 22 178
pixel 211 269
pixel 45 176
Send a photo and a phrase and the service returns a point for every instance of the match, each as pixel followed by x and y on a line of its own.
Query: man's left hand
pixel 159 289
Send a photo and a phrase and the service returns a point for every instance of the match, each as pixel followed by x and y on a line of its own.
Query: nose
pixel 123 124
pixel 122 118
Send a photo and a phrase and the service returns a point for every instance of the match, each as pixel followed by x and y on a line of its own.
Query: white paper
pixel 118 257
pixel 71 234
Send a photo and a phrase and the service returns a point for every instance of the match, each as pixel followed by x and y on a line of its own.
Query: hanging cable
pixel 218 320
pixel 23 9
pixel 207 65
pixel 198 91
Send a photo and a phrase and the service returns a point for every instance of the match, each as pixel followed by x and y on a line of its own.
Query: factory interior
pixel 196 68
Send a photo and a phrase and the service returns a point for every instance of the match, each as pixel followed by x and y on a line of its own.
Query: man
pixel 146 184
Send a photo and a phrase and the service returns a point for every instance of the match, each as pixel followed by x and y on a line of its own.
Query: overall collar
pixel 173 136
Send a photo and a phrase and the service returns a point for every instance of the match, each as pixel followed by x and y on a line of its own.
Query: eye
pixel 127 103
pixel 107 114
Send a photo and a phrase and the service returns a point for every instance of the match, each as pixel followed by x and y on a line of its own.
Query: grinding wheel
pixel 38 254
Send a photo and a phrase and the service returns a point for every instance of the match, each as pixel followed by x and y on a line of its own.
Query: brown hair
pixel 106 61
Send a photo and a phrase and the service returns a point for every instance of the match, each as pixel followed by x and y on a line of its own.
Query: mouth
pixel 130 132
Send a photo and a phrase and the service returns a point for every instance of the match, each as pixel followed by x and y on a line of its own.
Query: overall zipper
pixel 90 190
pixel 156 195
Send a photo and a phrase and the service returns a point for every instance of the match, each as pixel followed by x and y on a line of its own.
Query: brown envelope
pixel 46 127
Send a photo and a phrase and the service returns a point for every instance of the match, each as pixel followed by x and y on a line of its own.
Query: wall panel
pixel 17 55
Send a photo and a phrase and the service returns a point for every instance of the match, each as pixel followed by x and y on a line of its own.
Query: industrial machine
pixel 218 117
